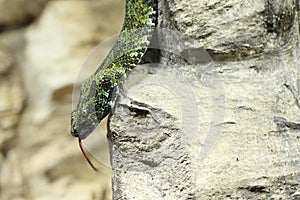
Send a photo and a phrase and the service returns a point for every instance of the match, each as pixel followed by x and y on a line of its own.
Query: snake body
pixel 96 92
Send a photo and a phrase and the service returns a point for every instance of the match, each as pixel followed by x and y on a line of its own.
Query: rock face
pixel 246 140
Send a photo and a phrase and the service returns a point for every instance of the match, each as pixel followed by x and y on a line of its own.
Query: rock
pixel 18 12
pixel 224 28
pixel 12 97
pixel 6 62
pixel 12 103
pixel 228 29
pixel 236 142
pixel 14 41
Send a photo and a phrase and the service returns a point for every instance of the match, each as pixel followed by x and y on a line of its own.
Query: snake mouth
pixel 74 132
pixel 84 129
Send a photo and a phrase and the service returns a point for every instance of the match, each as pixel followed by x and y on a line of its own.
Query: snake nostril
pixel 74 132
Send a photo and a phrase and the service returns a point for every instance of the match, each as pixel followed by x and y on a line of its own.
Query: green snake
pixel 96 92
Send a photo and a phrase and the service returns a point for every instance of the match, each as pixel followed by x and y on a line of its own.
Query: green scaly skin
pixel 96 92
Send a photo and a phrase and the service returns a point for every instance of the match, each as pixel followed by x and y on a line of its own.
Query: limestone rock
pixel 13 41
pixel 12 96
pixel 246 144
pixel 12 103
pixel 6 61
pixel 233 29
pixel 18 12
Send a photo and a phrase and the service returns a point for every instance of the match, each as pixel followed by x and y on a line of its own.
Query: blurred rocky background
pixel 42 46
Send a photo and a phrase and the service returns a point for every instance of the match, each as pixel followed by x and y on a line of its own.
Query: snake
pixel 96 97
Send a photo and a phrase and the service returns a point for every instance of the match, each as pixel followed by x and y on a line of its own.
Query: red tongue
pixel 85 155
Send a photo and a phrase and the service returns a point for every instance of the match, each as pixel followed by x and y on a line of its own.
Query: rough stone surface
pixel 255 47
pixel 234 29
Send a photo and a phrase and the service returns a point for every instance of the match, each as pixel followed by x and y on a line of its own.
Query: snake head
pixel 82 123
pixel 95 101
pixel 91 109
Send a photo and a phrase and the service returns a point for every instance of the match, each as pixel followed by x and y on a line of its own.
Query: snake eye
pixel 84 112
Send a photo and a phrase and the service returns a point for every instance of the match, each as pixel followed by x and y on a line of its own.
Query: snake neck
pixel 140 14
pixel 135 36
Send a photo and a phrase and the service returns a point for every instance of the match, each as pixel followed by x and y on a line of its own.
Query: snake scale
pixel 96 92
